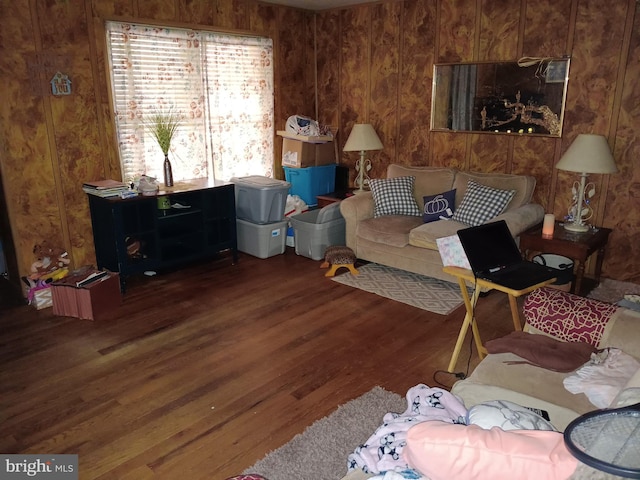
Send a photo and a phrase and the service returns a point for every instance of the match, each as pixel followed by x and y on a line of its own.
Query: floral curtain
pixel 219 84
pixel 240 99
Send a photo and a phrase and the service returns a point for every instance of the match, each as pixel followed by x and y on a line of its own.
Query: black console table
pixel 134 235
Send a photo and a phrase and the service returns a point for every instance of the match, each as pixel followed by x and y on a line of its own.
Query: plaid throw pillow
pixel 481 203
pixel 394 196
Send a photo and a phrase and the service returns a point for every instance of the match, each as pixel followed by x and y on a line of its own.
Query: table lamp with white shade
pixel 587 154
pixel 362 139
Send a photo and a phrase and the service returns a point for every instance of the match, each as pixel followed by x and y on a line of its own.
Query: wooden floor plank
pixel 202 371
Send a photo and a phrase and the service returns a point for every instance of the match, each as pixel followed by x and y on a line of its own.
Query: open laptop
pixel 493 255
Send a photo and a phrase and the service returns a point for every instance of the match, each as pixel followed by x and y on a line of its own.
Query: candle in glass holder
pixel 547 225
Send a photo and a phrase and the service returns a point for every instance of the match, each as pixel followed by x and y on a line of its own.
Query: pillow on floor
pixel 393 196
pixel 442 451
pixel 481 203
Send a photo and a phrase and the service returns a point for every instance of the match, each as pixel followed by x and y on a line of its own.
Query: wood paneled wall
pixel 370 63
pixel 51 145
pixel 375 65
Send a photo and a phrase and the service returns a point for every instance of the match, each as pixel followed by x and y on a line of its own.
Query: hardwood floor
pixel 202 371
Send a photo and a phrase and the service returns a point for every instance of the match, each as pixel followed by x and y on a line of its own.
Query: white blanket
pixel 602 378
pixel 382 451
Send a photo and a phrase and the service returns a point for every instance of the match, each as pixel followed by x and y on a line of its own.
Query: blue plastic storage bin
pixel 310 182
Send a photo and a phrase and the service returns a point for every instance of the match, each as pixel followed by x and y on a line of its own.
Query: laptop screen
pixel 489 246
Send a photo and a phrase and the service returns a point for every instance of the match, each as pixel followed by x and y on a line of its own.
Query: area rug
pixel 613 291
pixel 321 451
pixel 417 290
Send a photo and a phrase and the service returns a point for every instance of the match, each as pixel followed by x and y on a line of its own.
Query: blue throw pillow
pixel 439 206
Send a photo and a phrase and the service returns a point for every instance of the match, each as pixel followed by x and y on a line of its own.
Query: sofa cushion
pixel 503 376
pixel 393 196
pixel 439 206
pixel 524 186
pixel 622 332
pixel 442 451
pixel 482 203
pixel 392 230
pixel 429 180
pixel 567 316
pixel 425 235
pixel 630 394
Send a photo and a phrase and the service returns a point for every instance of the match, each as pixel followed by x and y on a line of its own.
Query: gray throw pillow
pixel 481 203
pixel 394 196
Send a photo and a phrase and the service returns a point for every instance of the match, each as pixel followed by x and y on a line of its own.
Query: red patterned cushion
pixel 566 316
pixel 250 476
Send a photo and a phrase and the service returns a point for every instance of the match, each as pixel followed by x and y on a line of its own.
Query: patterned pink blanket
pixel 566 316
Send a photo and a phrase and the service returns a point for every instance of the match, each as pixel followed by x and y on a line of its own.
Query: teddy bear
pixel 51 262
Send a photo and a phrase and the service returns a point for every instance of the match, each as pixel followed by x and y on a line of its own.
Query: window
pixel 221 85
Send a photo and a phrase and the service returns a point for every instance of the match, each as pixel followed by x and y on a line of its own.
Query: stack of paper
pixel 105 188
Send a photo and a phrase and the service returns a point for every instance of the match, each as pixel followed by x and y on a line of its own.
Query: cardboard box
pixel 89 301
pixel 301 154
pixel 306 138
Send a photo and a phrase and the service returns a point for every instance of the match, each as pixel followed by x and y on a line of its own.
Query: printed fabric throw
pixel 382 452
pixel 567 316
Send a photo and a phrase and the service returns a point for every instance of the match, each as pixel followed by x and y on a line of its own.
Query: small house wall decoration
pixel 60 84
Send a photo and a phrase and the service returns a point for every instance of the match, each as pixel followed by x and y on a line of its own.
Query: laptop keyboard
pixel 521 275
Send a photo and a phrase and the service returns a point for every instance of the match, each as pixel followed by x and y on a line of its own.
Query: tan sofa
pixel 505 376
pixel 406 242
pixel 497 377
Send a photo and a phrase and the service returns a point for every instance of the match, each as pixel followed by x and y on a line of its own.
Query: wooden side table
pixel 329 198
pixel 576 246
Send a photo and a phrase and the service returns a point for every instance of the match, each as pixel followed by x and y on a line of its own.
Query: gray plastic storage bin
pixel 262 241
pixel 260 199
pixel 316 230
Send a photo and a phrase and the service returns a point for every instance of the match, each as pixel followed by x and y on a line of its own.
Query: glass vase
pixel 168 173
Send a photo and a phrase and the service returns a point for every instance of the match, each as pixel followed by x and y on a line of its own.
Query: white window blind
pixel 221 85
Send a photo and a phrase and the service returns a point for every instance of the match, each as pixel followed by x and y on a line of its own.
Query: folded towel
pixel 543 351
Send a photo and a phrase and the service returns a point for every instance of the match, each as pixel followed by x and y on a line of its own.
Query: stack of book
pixel 108 188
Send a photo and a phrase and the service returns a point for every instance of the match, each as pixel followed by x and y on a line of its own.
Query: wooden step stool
pixel 339 256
